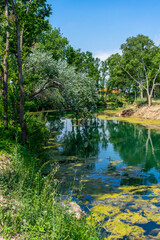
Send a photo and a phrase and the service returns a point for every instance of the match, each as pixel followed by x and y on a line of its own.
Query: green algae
pixel 53 145
pixel 146 122
pixel 122 211
pixel 105 210
pixel 78 165
pixel 131 217
pixel 126 210
pixel 114 161
pixel 120 229
pixel 105 196
pixel 119 209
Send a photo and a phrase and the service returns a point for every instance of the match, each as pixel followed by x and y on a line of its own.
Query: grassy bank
pixel 29 206
pixel 138 114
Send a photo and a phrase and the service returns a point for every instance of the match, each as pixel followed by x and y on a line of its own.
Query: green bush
pixel 33 210
pixel 141 101
pixel 30 106
pixel 37 133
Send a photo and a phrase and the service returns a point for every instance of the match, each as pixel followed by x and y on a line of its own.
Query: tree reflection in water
pixel 136 145
pixel 123 189
pixel 95 141
pixel 83 140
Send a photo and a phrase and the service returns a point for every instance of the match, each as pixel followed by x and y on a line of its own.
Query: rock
pixel 73 208
pixel 127 112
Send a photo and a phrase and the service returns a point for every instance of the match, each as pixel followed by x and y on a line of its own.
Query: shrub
pixel 37 133
pixel 141 101
pixel 33 210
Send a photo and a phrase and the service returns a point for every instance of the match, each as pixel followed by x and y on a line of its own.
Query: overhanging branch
pixel 46 86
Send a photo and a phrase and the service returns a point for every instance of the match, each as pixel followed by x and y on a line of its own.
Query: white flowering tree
pixel 43 73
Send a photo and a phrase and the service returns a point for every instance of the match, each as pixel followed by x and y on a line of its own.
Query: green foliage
pixel 52 41
pixel 40 72
pixel 79 93
pixel 37 132
pixel 141 101
pixel 50 99
pixel 33 210
pixel 117 78
pixel 31 106
pixel 32 20
pixel 137 69
pixel 75 90
pixel 8 137
pixel 86 63
pixel 101 100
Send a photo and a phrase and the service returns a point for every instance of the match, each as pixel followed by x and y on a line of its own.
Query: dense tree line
pixel 37 65
pixel 137 68
pixel 39 69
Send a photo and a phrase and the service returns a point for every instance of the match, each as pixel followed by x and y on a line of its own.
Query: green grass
pixel 33 210
pixel 156 101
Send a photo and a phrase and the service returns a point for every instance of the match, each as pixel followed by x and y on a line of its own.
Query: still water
pixel 111 168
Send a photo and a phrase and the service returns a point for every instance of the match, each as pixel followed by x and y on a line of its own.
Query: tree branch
pixel 53 84
pixel 29 4
pixel 22 31
pixel 155 80
pixel 132 77
pixel 144 68
pixel 14 10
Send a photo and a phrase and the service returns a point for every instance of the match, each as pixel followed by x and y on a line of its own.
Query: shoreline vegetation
pixel 40 70
pixel 28 200
pixel 144 115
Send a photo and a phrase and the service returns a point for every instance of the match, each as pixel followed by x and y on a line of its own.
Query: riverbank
pixel 141 114
pixel 29 205
pixel 118 169
pixel 142 111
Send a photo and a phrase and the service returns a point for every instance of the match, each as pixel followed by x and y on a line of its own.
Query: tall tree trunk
pixel 22 122
pixel 22 94
pixel 5 66
pixel 149 98
pixel 135 96
pixel 141 92
pixel 155 92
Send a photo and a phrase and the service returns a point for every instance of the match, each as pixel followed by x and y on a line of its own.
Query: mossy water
pixel 111 168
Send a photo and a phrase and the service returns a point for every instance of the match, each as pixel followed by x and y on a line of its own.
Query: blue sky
pixel 101 26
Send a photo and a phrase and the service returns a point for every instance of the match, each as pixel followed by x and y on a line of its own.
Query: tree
pixel 46 74
pixel 19 60
pixel 27 15
pixel 52 41
pixel 5 44
pixel 80 91
pixel 41 72
pixel 141 62
pixel 117 77
pixel 84 62
pixel 103 74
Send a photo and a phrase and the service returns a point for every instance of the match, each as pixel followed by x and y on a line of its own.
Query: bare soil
pixel 142 111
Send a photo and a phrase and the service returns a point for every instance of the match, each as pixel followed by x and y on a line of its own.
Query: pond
pixel 111 168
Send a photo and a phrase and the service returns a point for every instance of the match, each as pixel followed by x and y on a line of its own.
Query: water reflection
pixel 118 165
pixel 83 140
pixel 134 144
